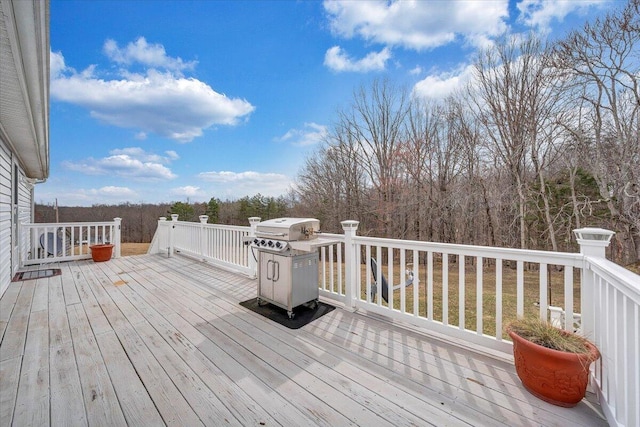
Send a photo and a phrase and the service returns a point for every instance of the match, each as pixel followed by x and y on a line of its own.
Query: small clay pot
pixel 101 253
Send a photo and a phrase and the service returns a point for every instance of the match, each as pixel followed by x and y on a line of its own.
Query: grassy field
pixel 127 249
pixel 488 295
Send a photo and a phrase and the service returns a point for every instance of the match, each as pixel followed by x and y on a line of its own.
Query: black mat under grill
pixel 303 314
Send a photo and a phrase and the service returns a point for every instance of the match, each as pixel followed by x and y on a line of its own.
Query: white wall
pixel 10 214
pixel 5 217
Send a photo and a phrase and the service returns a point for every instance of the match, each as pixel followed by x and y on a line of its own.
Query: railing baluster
pixel 379 275
pixel 445 289
pixel 331 269
pixel 367 274
pixel 520 289
pixel 479 299
pixel 568 298
pixel 390 276
pixel 544 286
pixel 461 292
pixel 416 281
pixel 499 314
pixel 323 265
pixel 403 289
pixel 429 285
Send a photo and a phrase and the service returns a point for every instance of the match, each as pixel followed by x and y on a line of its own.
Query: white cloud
pixel 87 197
pixel 416 70
pixel 156 101
pixel 338 60
pixel 116 192
pixel 310 134
pixel 144 156
pixel 186 191
pixel 132 162
pixel 417 25
pixel 239 184
pixel 152 55
pixel 540 13
pixel 172 155
pixel 57 65
pixel 439 86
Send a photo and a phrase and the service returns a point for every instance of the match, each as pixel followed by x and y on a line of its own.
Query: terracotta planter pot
pixel 554 376
pixel 101 253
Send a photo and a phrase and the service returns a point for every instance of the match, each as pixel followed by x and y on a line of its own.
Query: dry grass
pixel 127 249
pixel 542 333
pixel 635 267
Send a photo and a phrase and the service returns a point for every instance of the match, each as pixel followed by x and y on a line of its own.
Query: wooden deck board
pixel 9 379
pixel 32 401
pixel 151 340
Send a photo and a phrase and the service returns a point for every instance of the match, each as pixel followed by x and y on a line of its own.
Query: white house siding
pixel 25 214
pixel 10 259
pixel 5 217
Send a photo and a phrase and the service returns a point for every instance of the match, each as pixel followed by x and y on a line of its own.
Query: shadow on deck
pixel 150 340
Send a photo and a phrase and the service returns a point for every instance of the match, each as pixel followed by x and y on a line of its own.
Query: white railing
pixel 435 285
pixel 468 293
pixel 221 245
pixel 66 241
pixel 612 296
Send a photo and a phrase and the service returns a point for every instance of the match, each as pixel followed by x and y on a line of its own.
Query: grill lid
pixel 289 229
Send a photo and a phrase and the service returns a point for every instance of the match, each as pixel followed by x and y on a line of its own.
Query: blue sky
pixel 161 101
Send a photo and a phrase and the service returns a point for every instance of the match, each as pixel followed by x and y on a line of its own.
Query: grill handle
pixel 268 269
pixel 270 233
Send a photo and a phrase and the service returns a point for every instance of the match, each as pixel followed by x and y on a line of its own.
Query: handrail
pixel 446 280
pixel 221 245
pixel 66 241
pixel 613 295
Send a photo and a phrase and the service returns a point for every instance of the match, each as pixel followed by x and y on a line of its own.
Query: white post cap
pixel 593 241
pixel 350 224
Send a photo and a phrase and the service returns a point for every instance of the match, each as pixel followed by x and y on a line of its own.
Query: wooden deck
pixel 150 340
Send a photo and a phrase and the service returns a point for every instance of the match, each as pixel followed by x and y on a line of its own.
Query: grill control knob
pixel 270 243
pixel 278 245
pixel 263 242
pixel 256 241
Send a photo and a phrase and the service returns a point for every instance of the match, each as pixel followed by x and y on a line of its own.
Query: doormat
pixel 36 274
pixel 303 315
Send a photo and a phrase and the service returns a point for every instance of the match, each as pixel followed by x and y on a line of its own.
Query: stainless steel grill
pixel 288 261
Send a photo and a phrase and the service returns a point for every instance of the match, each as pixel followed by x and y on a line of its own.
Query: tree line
pixel 139 221
pixel 543 140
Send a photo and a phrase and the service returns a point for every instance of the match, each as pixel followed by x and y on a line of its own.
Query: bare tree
pixel 376 123
pixel 604 59
pixel 513 100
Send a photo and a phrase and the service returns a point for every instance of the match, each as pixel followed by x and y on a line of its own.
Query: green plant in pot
pixel 552 364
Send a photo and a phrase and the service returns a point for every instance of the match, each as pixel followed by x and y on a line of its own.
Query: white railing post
pixel 253 264
pixel 350 260
pixel 172 229
pixel 593 242
pixel 161 234
pixel 117 236
pixel 203 220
